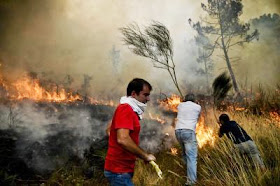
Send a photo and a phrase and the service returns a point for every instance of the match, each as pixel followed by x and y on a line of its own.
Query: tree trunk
pixel 206 72
pixel 226 54
pixel 235 86
pixel 174 79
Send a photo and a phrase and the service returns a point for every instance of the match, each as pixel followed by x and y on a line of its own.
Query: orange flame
pixel 31 89
pixel 171 103
pixel 156 118
pixel 240 108
pixel 275 116
pixel 101 102
pixel 204 134
pixel 234 108
pixel 174 151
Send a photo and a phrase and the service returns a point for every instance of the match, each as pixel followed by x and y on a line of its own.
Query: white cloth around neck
pixel 136 105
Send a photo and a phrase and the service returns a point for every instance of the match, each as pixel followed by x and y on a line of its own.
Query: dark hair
pixel 137 85
pixel 224 118
pixel 189 97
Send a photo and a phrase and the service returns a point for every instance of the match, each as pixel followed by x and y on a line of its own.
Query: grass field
pixel 218 164
pixel 221 164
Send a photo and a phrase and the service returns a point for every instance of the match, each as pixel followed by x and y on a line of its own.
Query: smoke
pixel 76 37
pixel 49 134
pixel 255 8
pixel 261 58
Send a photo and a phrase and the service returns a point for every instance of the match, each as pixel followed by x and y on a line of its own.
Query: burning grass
pixel 30 88
pixel 218 162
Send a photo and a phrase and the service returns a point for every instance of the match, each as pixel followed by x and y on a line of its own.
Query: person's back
pixel 188 114
pixel 187 117
pixel 234 132
pixel 240 138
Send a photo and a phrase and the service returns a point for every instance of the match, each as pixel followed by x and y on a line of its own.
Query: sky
pixel 76 37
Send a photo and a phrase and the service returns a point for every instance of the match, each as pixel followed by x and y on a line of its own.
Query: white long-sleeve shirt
pixel 188 114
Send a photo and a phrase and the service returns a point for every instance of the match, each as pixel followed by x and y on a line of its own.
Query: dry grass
pixel 222 164
pixel 219 165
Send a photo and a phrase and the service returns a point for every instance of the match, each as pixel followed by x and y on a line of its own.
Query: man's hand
pixel 127 143
pixel 149 157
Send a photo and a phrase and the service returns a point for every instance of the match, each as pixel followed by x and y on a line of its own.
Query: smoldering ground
pixel 45 136
pixel 49 134
pixel 59 38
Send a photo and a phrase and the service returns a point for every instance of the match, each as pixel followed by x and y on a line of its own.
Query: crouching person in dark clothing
pixel 240 138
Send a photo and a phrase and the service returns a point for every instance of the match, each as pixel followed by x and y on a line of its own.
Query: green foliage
pixel 6 179
pixel 227 13
pixel 224 29
pixel 221 86
pixel 154 43
pixel 269 26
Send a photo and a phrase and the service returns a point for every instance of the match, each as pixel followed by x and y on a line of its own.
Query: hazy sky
pixel 76 36
pixel 59 37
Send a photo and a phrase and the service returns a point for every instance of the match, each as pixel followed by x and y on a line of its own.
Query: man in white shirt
pixel 187 118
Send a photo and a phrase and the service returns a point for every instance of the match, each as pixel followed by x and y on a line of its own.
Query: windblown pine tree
pixel 225 29
pixel 154 43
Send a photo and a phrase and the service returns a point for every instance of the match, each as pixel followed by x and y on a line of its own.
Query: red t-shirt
pixel 119 160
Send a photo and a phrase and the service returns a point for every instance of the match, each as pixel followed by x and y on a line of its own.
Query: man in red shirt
pixel 123 147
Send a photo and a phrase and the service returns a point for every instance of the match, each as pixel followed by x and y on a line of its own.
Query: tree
pixel 269 26
pixel 221 86
pixel 225 29
pixel 204 53
pixel 154 43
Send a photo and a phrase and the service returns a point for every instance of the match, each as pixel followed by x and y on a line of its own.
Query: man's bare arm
pixel 127 143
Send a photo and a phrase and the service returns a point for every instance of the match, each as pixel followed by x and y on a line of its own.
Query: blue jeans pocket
pixel 119 179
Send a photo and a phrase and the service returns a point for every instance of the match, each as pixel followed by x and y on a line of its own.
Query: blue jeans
pixel 119 179
pixel 249 147
pixel 188 142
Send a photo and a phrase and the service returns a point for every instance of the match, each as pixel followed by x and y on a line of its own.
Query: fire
pixel 275 116
pixel 234 108
pixel 157 118
pixel 31 89
pixel 204 134
pixel 174 151
pixel 101 102
pixel 171 103
pixel 240 108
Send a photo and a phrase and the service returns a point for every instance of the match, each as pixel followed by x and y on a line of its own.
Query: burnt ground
pixel 30 150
